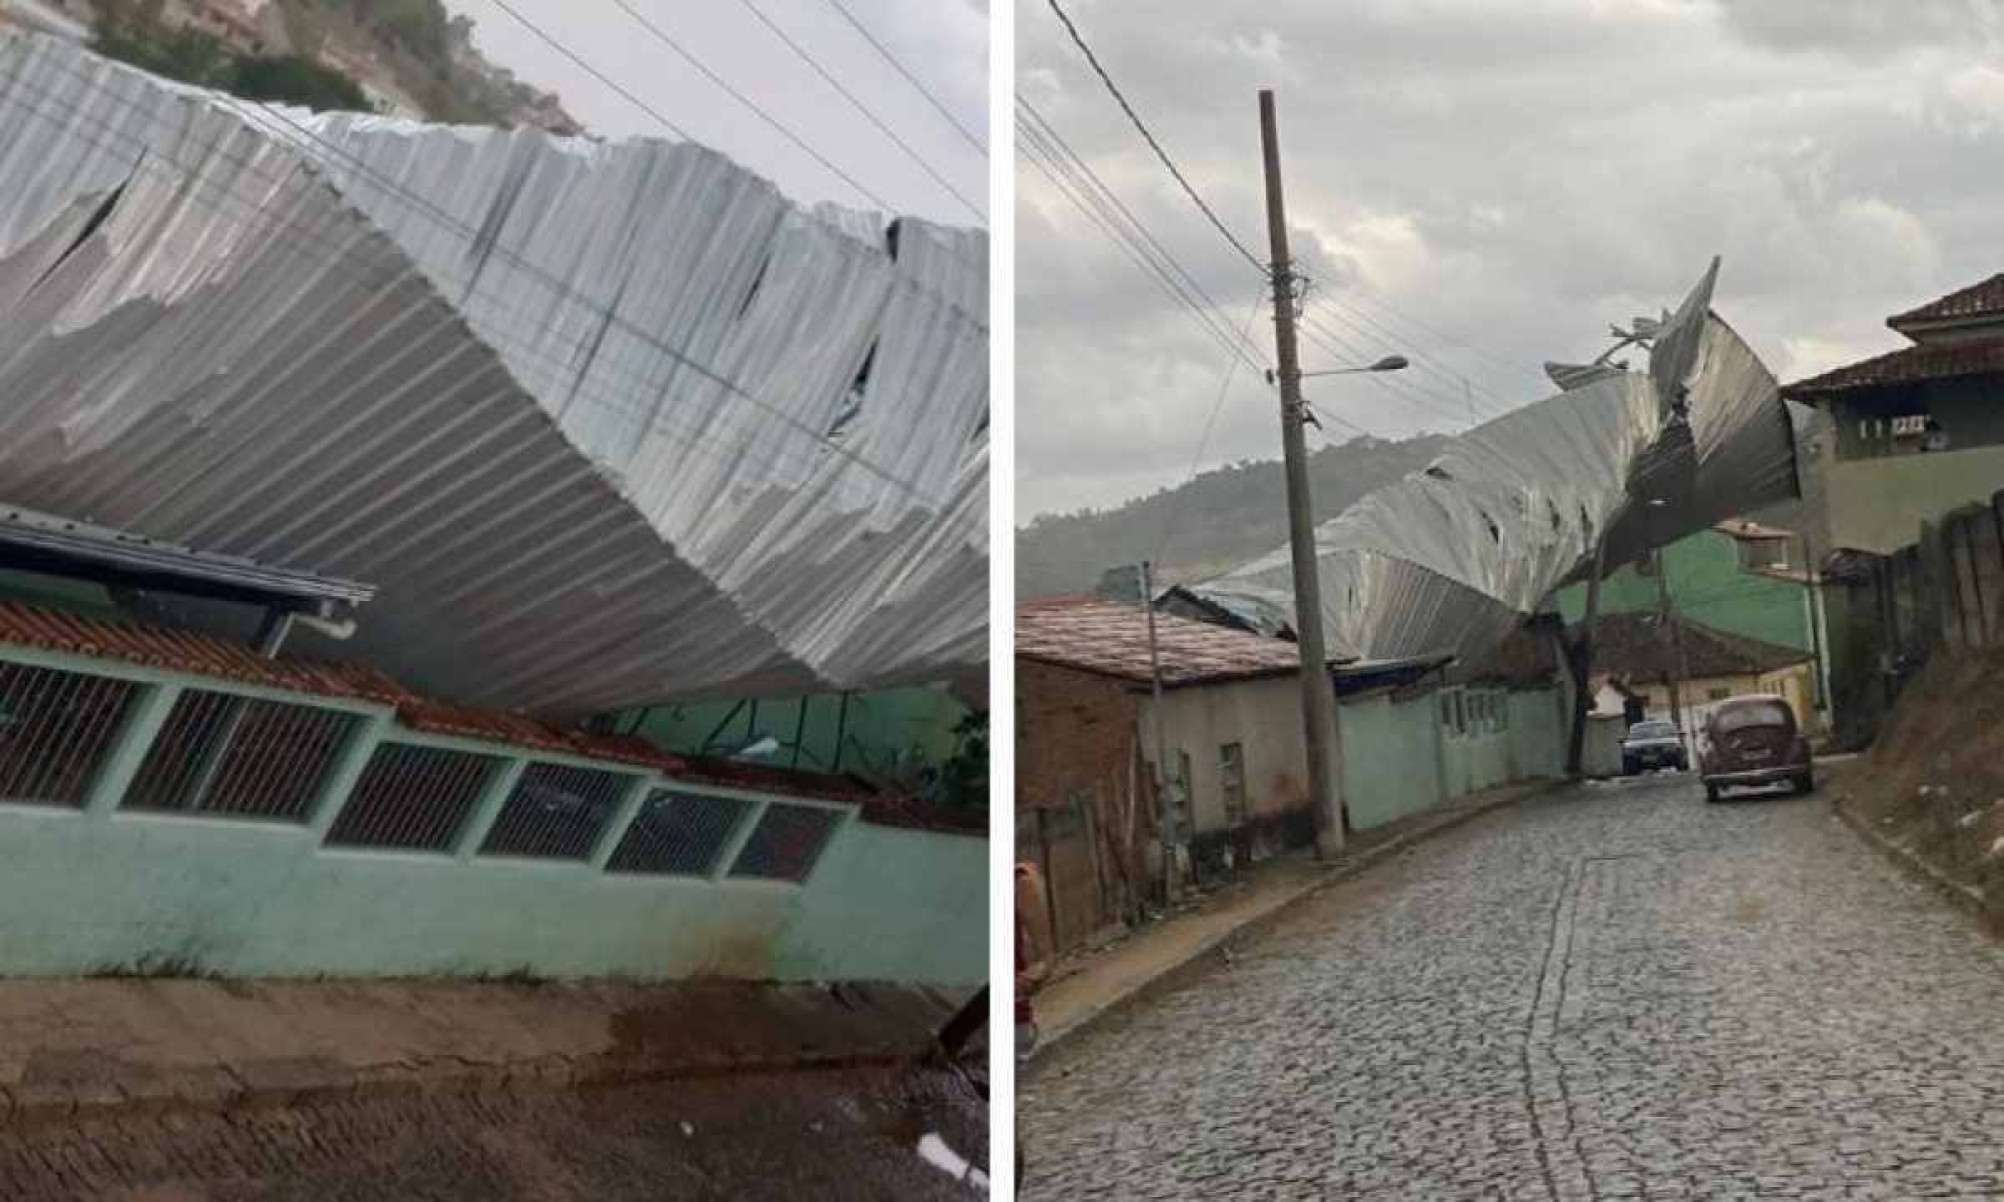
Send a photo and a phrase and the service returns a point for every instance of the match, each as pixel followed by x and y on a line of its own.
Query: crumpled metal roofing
pixel 583 411
pixel 1451 558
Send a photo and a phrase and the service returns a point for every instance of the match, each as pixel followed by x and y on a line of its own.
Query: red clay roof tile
pixel 1111 639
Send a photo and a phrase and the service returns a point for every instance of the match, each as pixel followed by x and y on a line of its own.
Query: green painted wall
pixel 101 889
pixel 1537 734
pixel 88 894
pixel 1391 759
pixel 893 905
pixel 882 733
pixel 1398 760
pixel 1708 587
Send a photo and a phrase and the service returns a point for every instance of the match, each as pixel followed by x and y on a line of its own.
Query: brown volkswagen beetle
pixel 1752 741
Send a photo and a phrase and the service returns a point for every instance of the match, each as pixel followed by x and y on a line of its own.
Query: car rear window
pixel 1739 717
pixel 1652 730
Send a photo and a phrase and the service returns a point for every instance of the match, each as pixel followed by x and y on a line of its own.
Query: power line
pixel 783 129
pixel 913 80
pixel 595 73
pixel 1160 153
pixel 1204 440
pixel 1040 131
pixel 1071 180
pixel 862 108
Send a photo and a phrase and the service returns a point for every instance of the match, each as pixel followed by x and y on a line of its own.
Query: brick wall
pixel 1077 776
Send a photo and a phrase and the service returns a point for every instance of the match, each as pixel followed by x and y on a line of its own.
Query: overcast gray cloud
pixel 943 42
pixel 1488 184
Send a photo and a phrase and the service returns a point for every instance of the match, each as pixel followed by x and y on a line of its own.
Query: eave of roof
pixel 1908 365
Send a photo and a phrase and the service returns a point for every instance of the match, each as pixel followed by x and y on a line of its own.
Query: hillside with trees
pixel 1220 518
pixel 409 57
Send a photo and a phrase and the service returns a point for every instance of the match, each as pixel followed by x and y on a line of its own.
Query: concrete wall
pixel 1537 733
pixel 101 889
pixel 1392 758
pixel 1879 504
pixel 1263 716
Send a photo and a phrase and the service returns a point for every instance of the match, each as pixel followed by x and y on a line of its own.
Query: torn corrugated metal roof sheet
pixel 607 423
pixel 1453 557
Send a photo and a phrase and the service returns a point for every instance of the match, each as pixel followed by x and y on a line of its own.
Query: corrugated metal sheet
pixel 583 411
pixel 1452 558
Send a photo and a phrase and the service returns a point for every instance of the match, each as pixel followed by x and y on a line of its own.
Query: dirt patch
pixel 1933 782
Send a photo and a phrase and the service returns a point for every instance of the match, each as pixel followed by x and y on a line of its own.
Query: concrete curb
pixel 1962 896
pixel 1198 961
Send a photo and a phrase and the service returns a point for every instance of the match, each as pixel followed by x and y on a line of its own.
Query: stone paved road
pixel 1614 991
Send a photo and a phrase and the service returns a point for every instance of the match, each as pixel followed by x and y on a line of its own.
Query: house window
pixel 1717 693
pixel 1232 781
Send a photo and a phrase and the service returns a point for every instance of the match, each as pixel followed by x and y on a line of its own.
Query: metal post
pixel 1318 703
pixel 1165 813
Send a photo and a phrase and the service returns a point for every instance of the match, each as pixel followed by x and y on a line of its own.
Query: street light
pixel 1388 363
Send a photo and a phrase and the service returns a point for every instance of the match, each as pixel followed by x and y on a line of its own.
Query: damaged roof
pixel 607 423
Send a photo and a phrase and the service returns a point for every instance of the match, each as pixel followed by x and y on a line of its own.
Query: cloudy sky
pixel 942 42
pixel 1483 185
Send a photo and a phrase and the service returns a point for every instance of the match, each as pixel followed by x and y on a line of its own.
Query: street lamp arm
pixel 1388 363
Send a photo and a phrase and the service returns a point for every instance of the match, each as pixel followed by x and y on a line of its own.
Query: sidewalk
pixel 1089 987
pixel 71 1048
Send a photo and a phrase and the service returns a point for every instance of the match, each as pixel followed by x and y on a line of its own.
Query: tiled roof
pixel 1977 300
pixel 219 658
pixel 1112 640
pixel 187 651
pixel 1907 365
pixel 1635 646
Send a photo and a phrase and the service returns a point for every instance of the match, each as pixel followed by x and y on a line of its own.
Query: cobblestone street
pixel 1611 991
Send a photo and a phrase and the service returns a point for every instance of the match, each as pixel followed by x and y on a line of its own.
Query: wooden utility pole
pixel 1668 621
pixel 1165 809
pixel 1318 701
pixel 1579 660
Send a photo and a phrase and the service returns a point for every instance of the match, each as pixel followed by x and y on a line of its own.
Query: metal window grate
pixel 55 728
pixel 679 833
pixel 786 842
pixel 223 754
pixel 412 797
pixel 555 811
